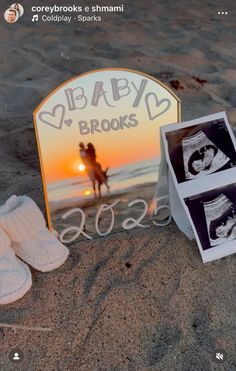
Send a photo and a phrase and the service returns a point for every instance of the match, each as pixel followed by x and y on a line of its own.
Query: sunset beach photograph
pixel 98 137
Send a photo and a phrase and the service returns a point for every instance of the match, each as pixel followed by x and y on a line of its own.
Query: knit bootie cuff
pixel 4 240
pixel 23 220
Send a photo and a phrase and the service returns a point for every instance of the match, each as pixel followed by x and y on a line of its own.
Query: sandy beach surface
pixel 137 300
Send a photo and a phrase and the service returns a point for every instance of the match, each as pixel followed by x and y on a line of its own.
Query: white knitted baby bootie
pixel 15 276
pixel 31 240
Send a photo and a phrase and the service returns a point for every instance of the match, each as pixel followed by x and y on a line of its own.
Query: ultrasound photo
pixel 221 220
pixel 200 150
pixel 214 215
pixel 201 156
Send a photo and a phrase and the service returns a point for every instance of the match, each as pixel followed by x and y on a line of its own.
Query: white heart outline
pixel 68 122
pixel 158 103
pixel 53 114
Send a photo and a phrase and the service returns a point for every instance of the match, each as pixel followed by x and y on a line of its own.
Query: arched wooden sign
pixel 98 142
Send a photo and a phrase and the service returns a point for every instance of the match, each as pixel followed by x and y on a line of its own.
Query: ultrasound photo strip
pixel 201 156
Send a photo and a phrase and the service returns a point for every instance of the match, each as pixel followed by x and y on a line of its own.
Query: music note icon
pixel 35 18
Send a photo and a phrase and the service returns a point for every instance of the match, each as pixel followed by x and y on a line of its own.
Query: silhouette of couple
pixel 93 168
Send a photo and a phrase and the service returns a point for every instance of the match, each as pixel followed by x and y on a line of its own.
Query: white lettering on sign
pixel 101 209
pixel 78 230
pixel 106 94
pixel 127 224
pixel 130 223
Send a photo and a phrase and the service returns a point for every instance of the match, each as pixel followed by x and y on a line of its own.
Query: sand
pixel 137 300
